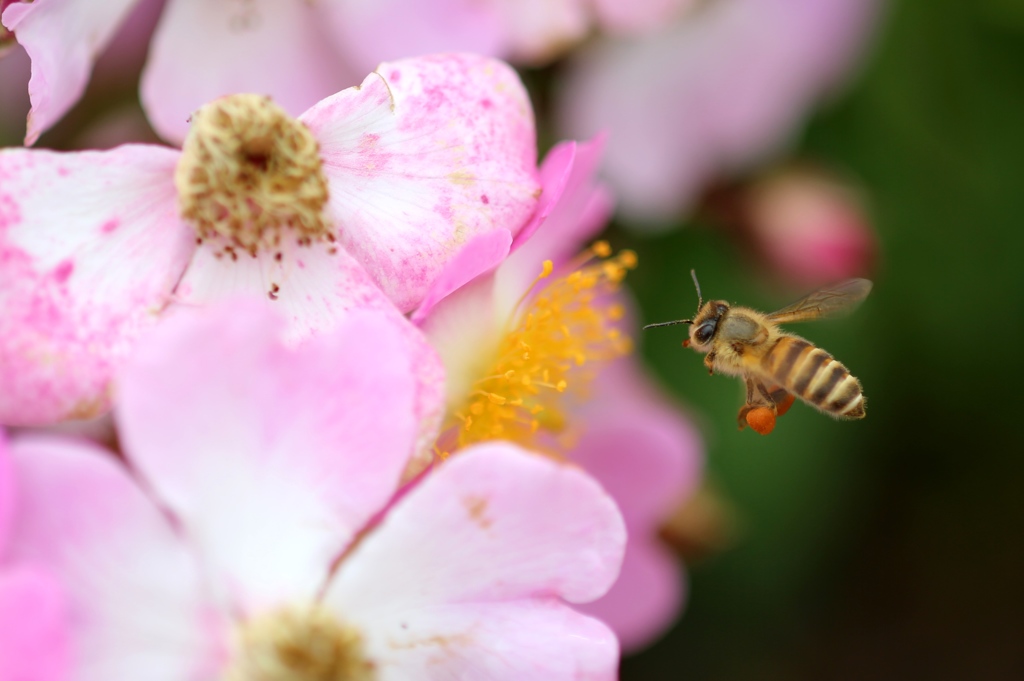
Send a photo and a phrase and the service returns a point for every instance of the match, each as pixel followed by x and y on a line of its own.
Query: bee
pixel 775 365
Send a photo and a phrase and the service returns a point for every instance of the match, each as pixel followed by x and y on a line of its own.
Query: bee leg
pixel 783 401
pixel 779 396
pixel 741 418
pixel 760 411
pixel 709 362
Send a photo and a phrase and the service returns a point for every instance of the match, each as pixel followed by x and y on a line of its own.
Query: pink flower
pixel 33 617
pixel 295 52
pixel 543 367
pixel 650 459
pixel 811 229
pixel 631 17
pixel 199 52
pixel 376 186
pixel 251 539
pixel 722 90
pixel 524 31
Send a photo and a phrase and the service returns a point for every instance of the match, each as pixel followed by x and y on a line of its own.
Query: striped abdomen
pixel 813 375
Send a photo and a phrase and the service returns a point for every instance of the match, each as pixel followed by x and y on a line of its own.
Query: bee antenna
pixel 700 298
pixel 672 323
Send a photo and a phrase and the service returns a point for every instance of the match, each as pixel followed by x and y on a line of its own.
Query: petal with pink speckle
pixel 425 155
pixel 90 249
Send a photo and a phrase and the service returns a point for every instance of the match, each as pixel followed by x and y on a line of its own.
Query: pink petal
pixel 372 31
pixel 581 210
pixel 468 570
pixel 572 222
pixel 467 324
pixel 205 50
pixel 647 597
pixel 503 640
pixel 63 38
pixel 649 459
pixel 271 458
pixel 534 31
pixel 465 328
pixel 720 91
pixel 537 31
pixel 464 325
pixel 7 491
pixel 645 454
pixel 33 627
pixel 425 155
pixel 316 291
pixel 132 590
pixel 90 249
pixel 494 523
pixel 638 16
pixel 555 172
pixel 481 255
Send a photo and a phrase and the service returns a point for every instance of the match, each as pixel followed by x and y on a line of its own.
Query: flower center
pixel 306 644
pixel 549 354
pixel 250 174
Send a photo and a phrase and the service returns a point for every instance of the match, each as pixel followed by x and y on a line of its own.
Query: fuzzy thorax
pixel 549 352
pixel 252 175
pixel 299 644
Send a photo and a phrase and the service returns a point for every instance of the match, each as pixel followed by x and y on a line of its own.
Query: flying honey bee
pixel 775 365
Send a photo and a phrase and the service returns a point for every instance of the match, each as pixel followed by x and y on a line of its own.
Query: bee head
pixel 705 324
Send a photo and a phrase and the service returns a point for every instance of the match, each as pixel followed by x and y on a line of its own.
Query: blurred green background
pixel 890 548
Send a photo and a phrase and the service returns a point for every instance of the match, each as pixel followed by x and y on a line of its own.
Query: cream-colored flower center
pixel 549 354
pixel 252 175
pixel 299 644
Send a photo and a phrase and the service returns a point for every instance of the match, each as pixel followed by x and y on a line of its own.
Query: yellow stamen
pixel 601 249
pixel 551 350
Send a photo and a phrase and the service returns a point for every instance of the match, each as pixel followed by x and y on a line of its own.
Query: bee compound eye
pixel 704 333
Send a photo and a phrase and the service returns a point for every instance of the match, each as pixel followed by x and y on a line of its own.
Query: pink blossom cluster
pixel 362 374
pixel 281 478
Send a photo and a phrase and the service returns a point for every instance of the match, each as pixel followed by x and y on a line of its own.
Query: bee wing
pixel 831 302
